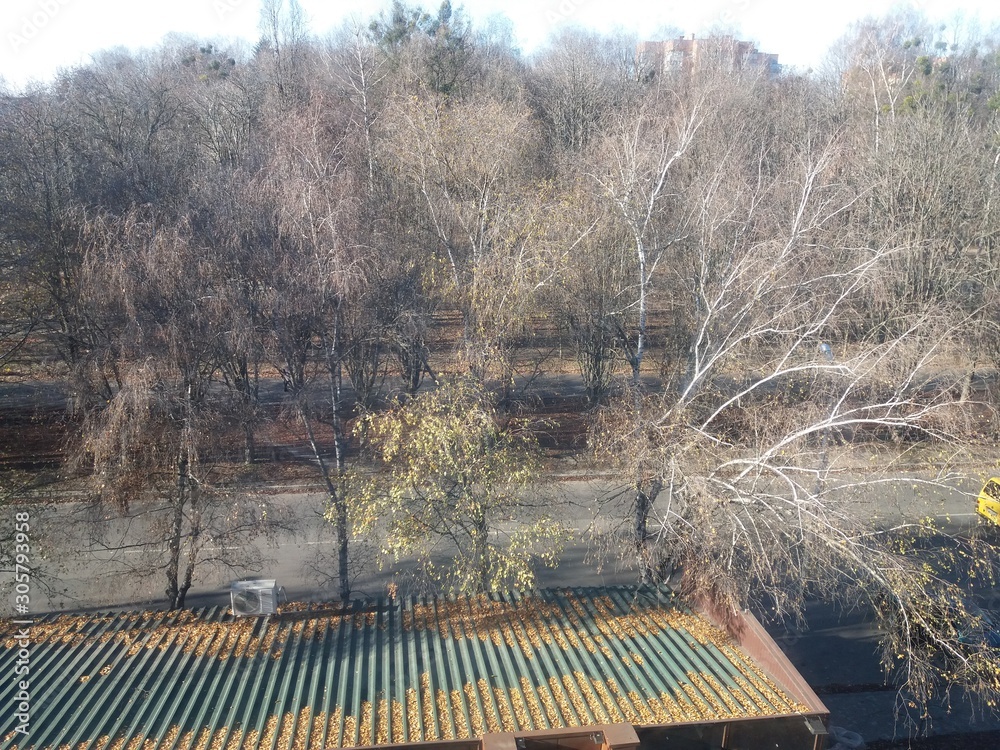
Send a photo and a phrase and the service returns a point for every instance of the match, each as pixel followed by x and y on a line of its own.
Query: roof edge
pixel 754 639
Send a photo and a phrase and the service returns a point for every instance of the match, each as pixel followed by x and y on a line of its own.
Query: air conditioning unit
pixel 254 598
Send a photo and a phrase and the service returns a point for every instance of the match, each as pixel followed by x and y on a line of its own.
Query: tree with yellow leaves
pixel 453 482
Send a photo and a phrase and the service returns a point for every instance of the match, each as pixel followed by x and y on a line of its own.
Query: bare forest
pixel 437 267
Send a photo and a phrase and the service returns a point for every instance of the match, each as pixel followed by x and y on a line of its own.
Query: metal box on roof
pixel 254 597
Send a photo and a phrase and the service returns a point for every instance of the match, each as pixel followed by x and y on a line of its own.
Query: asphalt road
pixel 89 573
pixel 86 574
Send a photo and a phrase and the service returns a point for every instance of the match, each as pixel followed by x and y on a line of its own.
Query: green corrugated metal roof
pixel 412 670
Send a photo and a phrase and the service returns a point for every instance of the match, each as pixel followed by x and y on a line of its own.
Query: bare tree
pixel 593 283
pixel 223 103
pixel 234 223
pixel 283 48
pixel 151 438
pixel 634 172
pixel 744 500
pixel 878 58
pixel 321 258
pixel 578 81
pixel 469 163
pixel 41 222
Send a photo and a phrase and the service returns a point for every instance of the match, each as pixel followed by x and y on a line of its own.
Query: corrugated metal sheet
pixel 414 670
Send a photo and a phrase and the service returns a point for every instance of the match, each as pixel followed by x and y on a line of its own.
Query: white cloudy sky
pixel 37 37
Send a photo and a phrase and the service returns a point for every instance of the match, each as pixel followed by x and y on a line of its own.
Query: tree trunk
pixel 249 444
pixel 480 551
pixel 640 531
pixel 640 340
pixel 343 538
pixel 970 373
pixel 176 591
pixel 340 459
pixel 194 537
pixel 250 397
pixel 336 500
pixel 176 531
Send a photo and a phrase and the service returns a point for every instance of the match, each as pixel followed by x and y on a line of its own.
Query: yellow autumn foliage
pixel 450 475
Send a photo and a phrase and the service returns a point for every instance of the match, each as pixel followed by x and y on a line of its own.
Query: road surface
pixel 90 576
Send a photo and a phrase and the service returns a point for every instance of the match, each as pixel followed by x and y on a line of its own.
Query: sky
pixel 39 37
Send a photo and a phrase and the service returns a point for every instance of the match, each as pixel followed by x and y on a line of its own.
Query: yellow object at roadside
pixel 988 503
